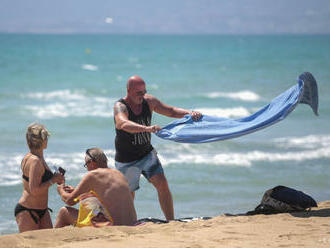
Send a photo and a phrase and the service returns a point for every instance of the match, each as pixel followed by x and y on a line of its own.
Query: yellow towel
pixel 91 211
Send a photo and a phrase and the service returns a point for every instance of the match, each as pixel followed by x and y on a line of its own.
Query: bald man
pixel 134 152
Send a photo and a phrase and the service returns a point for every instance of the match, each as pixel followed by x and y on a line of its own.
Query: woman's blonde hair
pixel 35 135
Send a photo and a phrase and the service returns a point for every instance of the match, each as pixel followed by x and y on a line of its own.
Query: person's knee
pixel 63 212
pixel 62 217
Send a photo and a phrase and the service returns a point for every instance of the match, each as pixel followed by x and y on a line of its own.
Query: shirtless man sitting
pixel 110 186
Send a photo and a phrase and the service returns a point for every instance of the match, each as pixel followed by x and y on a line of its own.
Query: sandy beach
pixel 304 229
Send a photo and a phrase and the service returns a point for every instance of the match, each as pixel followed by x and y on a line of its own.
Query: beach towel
pixel 209 128
pixel 92 212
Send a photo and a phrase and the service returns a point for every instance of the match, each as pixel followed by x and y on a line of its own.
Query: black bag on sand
pixel 281 199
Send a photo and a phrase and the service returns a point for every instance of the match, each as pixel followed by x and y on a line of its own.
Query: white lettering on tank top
pixel 143 137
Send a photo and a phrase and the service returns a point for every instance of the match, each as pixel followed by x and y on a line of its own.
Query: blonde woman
pixel 31 212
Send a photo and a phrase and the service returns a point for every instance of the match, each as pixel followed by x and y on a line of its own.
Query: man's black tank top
pixel 134 146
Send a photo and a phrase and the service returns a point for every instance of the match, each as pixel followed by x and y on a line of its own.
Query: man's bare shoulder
pixel 151 100
pixel 149 97
pixel 91 177
pixel 106 171
pixel 119 107
pixel 104 176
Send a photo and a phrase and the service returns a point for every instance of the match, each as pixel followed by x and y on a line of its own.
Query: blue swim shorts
pixel 149 166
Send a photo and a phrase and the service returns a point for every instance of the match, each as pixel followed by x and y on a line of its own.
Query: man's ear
pixel 95 166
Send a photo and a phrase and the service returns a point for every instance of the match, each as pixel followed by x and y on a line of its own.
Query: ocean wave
pixel 309 142
pixel 65 95
pixel 8 225
pixel 70 109
pixel 76 103
pixel 245 159
pixel 89 67
pixel 305 148
pixel 170 154
pixel 245 95
pixel 10 164
pixel 67 103
pixel 225 112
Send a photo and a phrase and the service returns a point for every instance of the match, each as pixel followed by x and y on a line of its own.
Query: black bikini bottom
pixel 40 212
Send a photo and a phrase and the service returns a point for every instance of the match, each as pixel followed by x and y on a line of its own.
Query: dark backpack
pixel 281 199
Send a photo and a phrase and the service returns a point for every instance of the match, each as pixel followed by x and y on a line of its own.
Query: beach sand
pixel 304 229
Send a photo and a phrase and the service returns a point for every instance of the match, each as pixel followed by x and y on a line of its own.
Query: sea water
pixel 70 83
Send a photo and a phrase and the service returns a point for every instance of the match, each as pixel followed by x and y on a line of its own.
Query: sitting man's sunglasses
pixel 92 158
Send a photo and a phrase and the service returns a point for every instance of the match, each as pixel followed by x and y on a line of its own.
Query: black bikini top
pixel 45 177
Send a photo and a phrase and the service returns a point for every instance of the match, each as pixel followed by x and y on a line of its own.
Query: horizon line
pixel 158 33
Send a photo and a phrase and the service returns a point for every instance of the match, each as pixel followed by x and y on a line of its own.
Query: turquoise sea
pixel 70 83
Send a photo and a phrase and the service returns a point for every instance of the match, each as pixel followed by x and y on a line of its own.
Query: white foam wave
pixel 244 159
pixel 309 142
pixel 245 95
pixel 10 167
pixel 89 67
pixel 169 155
pixel 153 86
pixel 65 95
pixel 306 148
pixel 225 112
pixel 8 225
pixel 64 110
pixel 67 103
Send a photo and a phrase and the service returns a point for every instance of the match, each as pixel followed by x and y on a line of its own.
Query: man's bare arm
pixel 171 111
pixel 83 187
pixel 123 123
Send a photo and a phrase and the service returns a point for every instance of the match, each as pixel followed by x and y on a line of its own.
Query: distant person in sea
pixel 134 152
pixel 31 212
pixel 102 189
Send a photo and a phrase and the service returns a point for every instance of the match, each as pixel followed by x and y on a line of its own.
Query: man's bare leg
pixel 164 195
pixel 66 216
